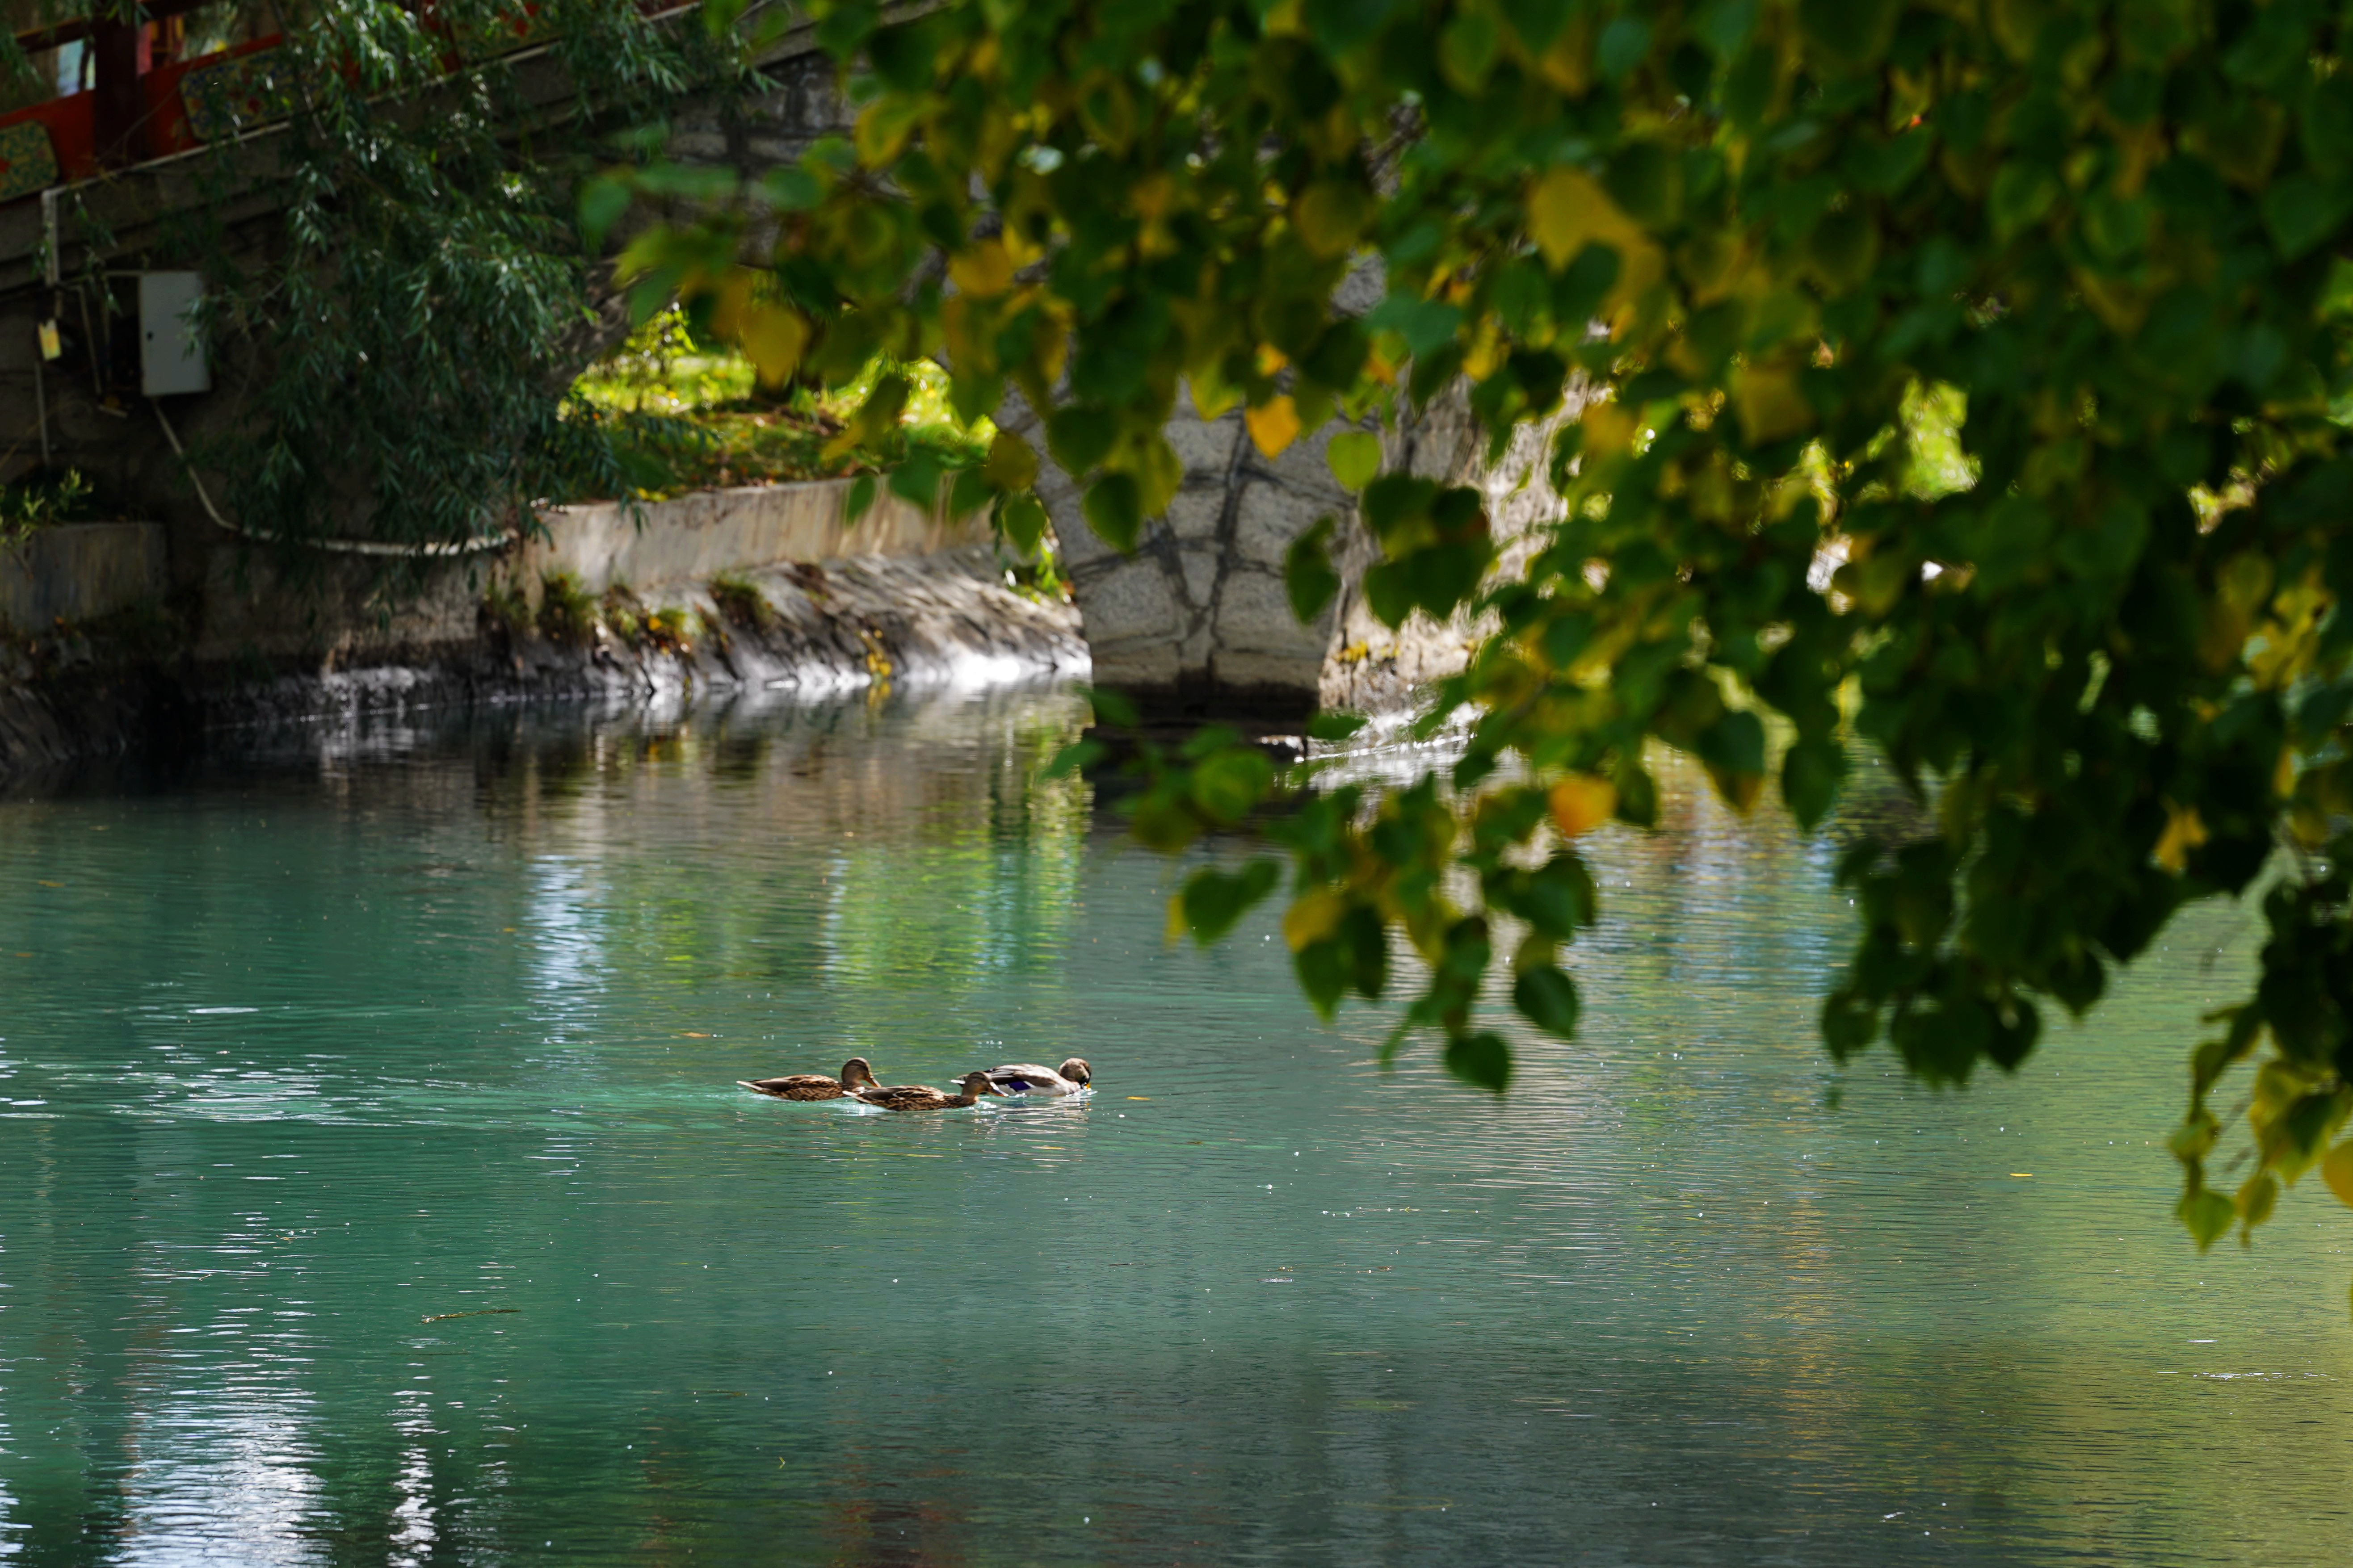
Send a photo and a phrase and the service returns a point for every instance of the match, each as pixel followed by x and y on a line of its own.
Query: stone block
pixel 699 147
pixel 1127 606
pixel 1269 516
pixel 1206 450
pixel 1200 569
pixel 1195 514
pixel 1303 468
pixel 1254 617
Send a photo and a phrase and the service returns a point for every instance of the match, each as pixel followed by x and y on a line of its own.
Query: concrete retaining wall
pixel 77 571
pixel 695 538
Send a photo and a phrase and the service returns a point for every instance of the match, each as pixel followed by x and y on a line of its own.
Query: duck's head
pixel 1076 1070
pixel 976 1084
pixel 858 1072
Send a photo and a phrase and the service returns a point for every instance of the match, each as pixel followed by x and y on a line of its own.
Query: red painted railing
pixel 137 114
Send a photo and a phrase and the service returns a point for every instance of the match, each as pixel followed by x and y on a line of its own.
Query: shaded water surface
pixel 373 1189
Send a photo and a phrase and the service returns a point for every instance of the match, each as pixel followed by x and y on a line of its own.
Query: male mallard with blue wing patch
pixel 1028 1077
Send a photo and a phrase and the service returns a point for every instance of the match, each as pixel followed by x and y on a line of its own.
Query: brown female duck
pixel 923 1097
pixel 817 1086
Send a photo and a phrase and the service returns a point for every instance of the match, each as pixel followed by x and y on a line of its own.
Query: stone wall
pixel 78 571
pixel 1196 622
pixel 329 611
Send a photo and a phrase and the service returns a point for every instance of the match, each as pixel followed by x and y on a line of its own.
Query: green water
pixel 373 1189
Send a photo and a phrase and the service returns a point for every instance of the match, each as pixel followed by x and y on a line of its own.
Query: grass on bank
pixel 687 416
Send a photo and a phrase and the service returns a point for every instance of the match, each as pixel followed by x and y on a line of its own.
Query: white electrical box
pixel 170 351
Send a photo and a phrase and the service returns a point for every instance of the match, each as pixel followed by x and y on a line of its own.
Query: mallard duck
pixel 817 1086
pixel 923 1097
pixel 1028 1077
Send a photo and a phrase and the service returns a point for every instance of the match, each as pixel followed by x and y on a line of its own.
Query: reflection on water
pixel 373 1188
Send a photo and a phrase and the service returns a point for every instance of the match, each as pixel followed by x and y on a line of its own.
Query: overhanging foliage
pixel 2111 233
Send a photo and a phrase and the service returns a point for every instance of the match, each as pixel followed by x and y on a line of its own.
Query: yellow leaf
pixel 1488 351
pixel 1153 196
pixel 771 337
pixel 983 271
pixel 2183 832
pixel 734 293
pixel 1609 430
pixel 1313 916
pixel 1211 396
pixel 1769 405
pixel 883 128
pixel 1740 791
pixel 1569 210
pixel 1273 426
pixel 1270 359
pixel 1178 925
pixel 1567 63
pixel 1011 463
pixel 2336 1170
pixel 1283 19
pixel 2284 775
pixel 1582 803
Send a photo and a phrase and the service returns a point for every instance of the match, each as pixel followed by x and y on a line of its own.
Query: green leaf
pixel 843 28
pixel 1624 43
pixel 1333 727
pixel 789 188
pixel 1115 510
pixel 1811 775
pixel 1227 785
pixel 1023 519
pixel 860 499
pixel 970 494
pixel 2302 210
pixel 603 200
pixel 2022 195
pixel 916 481
pixel 1482 1060
pixel 1390 591
pixel 1308 579
pixel 1355 458
pixel 1547 998
pixel 1637 796
pixel 1214 901
pixel 1323 973
pixel 1076 757
pixel 1081 437
pixel 2206 1215
pixel 1340 26
pixel 1110 707
pixel 1426 325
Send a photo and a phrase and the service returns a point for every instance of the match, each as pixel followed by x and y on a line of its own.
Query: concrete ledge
pixel 77 571
pixel 697 537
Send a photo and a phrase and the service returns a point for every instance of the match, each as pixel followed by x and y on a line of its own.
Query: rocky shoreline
pixel 816 629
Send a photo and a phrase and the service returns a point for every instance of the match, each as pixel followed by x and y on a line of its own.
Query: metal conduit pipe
pixel 333 546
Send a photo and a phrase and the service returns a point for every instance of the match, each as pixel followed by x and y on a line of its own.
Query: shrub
pixel 740 600
pixel 505 605
pixel 567 611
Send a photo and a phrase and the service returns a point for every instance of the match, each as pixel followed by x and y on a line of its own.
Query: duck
pixel 1028 1077
pixel 817 1086
pixel 923 1097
